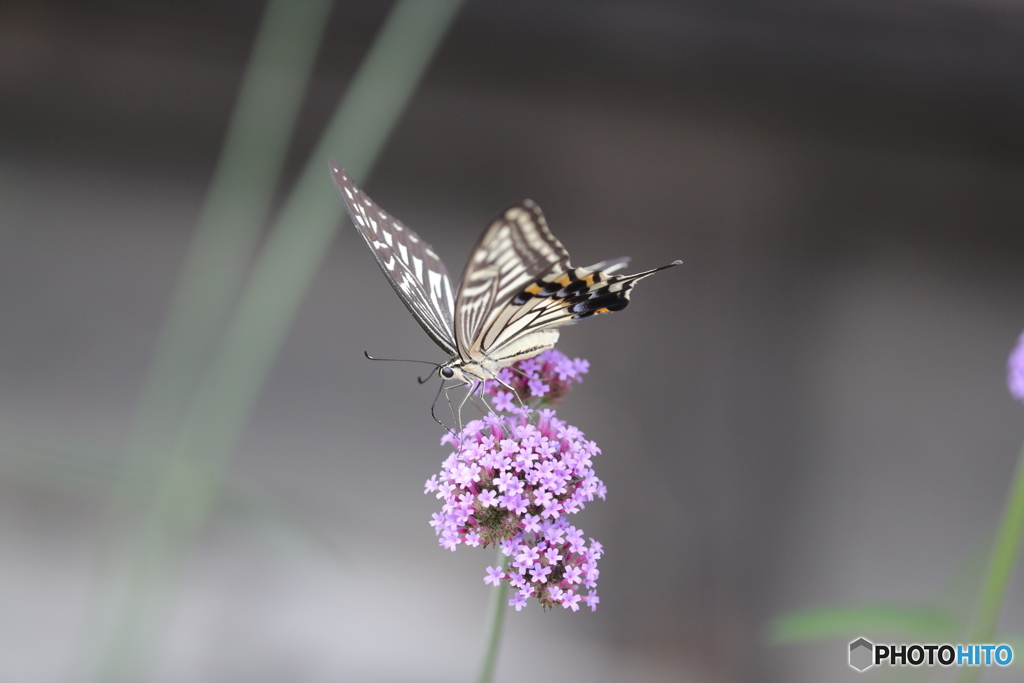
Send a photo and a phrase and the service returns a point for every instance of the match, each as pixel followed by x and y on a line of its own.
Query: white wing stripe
pixel 435 284
pixel 403 257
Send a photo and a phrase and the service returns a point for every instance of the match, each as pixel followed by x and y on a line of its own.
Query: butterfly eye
pixel 447 373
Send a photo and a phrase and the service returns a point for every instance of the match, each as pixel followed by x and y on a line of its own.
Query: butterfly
pixel 518 287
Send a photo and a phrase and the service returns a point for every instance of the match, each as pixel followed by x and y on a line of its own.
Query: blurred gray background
pixel 810 411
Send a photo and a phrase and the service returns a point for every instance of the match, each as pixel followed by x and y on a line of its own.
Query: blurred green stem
pixel 227 230
pixel 497 619
pixel 228 390
pixel 1000 568
pixel 232 215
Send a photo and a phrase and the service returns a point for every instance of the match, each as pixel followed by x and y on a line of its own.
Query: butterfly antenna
pixel 407 360
pixel 402 360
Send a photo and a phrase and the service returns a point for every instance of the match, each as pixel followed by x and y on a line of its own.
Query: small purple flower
pixel 1015 371
pixel 537 387
pixel 494 575
pixel 519 601
pixel 542 380
pixel 503 401
pixel 572 574
pixel 540 572
pixel 513 481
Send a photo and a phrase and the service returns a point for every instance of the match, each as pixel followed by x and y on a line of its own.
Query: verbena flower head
pixel 543 380
pixel 1015 371
pixel 511 481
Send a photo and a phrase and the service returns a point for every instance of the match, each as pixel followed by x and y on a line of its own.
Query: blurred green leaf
pixel 861 620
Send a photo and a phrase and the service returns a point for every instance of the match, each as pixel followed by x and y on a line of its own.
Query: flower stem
pixel 496 618
pixel 1000 568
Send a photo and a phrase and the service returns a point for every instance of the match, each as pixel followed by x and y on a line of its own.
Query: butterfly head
pixel 467 372
pixel 452 370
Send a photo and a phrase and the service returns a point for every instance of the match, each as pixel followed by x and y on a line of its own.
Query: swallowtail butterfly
pixel 517 290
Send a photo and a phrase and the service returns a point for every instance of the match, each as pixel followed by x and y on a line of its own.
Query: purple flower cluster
pixel 1015 371
pixel 543 380
pixel 511 482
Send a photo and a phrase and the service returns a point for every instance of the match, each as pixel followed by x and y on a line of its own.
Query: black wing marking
pixel 415 272
pixel 558 299
pixel 515 250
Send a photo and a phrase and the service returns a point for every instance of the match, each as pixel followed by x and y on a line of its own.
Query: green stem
pixel 195 459
pixel 1000 568
pixel 496 618
pixel 232 217
pixel 227 230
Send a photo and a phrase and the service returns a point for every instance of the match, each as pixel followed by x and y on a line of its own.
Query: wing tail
pixel 606 293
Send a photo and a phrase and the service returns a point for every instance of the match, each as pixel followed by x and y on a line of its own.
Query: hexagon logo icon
pixel 862 654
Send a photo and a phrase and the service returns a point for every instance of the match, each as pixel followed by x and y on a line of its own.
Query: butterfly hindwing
pixel 515 250
pixel 559 299
pixel 415 272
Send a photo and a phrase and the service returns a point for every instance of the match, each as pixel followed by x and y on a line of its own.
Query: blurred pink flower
pixel 1015 371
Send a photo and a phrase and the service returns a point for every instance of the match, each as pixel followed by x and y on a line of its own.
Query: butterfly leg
pixel 473 386
pixel 447 397
pixel 432 405
pixel 514 392
pixel 487 408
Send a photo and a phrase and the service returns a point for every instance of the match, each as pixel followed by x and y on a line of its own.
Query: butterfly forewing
pixel 417 274
pixel 514 251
